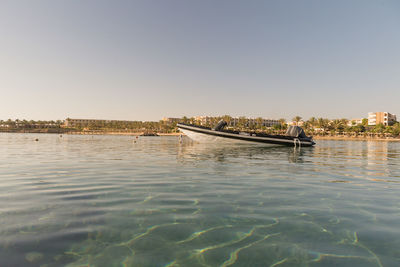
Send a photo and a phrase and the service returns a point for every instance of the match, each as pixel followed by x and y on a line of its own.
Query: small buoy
pixel 137 137
pixel 60 135
pixel 134 141
pixel 36 139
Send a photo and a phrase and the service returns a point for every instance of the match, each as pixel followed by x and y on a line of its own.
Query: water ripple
pixel 107 201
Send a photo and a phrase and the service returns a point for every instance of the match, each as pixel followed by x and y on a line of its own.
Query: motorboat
pixel 294 135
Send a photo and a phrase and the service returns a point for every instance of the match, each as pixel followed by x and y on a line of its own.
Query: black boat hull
pixel 204 135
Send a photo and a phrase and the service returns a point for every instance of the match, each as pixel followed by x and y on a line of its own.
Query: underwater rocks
pixel 33 256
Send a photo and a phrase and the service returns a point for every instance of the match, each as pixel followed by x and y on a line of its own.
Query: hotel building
pixel 385 118
pixel 206 120
pixel 354 122
pixel 171 120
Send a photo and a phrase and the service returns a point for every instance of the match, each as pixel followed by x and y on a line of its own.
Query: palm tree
pixel 10 123
pixel 396 129
pixel 242 122
pixel 297 119
pixel 335 124
pixel 228 119
pixel 323 124
pixel 307 126
pixel 379 128
pixel 185 119
pixel 259 121
pixel 344 122
pixel 313 122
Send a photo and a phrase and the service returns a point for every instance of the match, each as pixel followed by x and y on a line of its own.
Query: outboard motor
pixel 220 125
pixel 295 131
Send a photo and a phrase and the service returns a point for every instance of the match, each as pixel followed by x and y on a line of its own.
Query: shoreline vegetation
pixel 319 128
pixel 357 138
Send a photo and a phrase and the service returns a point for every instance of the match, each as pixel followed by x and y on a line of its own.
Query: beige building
pixel 265 122
pixel 171 120
pixel 385 118
pixel 354 122
pixel 206 120
pixel 203 120
pixel 294 123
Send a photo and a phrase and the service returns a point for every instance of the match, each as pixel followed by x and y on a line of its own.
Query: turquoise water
pixel 108 201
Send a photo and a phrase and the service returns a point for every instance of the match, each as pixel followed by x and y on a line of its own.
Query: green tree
pixel 323 124
pixel 185 119
pixel 10 123
pixel 379 128
pixel 259 122
pixel 242 123
pixel 297 119
pixel 396 129
pixel 313 122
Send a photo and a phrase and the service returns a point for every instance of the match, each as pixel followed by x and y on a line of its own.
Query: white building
pixel 385 118
pixel 354 122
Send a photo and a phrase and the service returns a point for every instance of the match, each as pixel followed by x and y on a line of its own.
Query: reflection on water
pixel 226 152
pixel 111 201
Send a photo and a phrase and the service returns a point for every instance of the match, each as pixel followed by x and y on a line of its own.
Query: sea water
pixel 80 200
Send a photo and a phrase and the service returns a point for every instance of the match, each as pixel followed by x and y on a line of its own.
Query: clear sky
pixel 143 60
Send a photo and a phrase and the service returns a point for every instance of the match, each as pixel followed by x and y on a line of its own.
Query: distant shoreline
pixel 121 133
pixel 362 138
pixel 92 133
pixel 337 138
